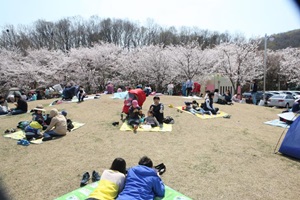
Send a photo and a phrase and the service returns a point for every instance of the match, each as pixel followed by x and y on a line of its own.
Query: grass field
pixel 206 159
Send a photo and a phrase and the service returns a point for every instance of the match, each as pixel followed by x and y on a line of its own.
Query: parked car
pixel 248 97
pixel 282 100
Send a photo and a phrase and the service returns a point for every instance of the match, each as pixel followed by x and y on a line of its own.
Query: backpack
pixel 22 124
pixel 168 120
pixel 70 125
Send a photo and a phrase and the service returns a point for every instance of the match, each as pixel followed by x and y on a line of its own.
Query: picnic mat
pixel 83 193
pixel 74 100
pixel 288 116
pixel 165 128
pixel 18 135
pixel 277 122
pixel 205 116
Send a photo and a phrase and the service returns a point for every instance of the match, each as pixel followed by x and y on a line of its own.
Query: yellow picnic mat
pixel 165 128
pixel 18 135
pixel 221 114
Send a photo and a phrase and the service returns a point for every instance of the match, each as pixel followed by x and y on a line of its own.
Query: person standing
pixel 254 92
pixel 189 87
pixel 170 88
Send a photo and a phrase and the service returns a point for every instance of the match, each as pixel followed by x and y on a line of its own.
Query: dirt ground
pixel 205 159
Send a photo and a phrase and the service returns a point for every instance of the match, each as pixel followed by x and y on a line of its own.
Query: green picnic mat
pixel 83 193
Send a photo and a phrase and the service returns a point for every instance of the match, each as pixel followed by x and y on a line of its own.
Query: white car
pixel 282 100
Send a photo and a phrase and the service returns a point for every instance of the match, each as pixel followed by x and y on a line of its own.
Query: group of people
pixel 155 114
pixel 54 125
pixel 20 103
pixel 140 182
pixel 70 91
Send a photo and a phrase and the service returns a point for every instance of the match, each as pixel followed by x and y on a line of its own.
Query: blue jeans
pixel 3 113
pixel 17 112
pixel 50 134
pixel 254 97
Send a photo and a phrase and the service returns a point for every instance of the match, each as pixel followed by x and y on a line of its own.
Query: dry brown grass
pixel 205 159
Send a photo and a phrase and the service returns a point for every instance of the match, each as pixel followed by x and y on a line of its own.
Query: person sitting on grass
pixel 142 182
pixel 3 106
pixel 21 105
pixel 134 115
pixel 151 120
pixel 208 105
pixel 158 110
pixel 227 97
pixel 235 98
pixel 81 94
pixel 218 98
pixel 57 126
pixel 112 181
pixel 33 130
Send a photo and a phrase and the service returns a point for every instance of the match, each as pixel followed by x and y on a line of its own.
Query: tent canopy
pixel 291 143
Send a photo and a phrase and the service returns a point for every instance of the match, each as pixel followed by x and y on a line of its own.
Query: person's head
pixel 194 102
pixel 211 95
pixel 17 96
pixel 207 91
pixel 64 113
pixel 39 109
pixel 146 161
pixel 135 103
pixel 156 99
pixel 119 164
pixel 53 112
pixel 216 90
pixel 254 81
pixel 150 113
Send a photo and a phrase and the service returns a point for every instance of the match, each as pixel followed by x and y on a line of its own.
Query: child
pixel 151 120
pixel 33 130
pixel 158 109
pixel 80 94
pixel 112 181
pixel 38 114
pixel 3 106
pixel 134 115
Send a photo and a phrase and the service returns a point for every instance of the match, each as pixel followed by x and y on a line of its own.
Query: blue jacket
pixel 142 183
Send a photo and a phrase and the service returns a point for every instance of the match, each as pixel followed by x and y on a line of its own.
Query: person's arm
pixel 207 101
pixel 51 125
pixel 156 122
pixel 159 187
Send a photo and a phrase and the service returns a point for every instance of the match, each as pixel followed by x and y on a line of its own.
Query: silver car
pixel 282 100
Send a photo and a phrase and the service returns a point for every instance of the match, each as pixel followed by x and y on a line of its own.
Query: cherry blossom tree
pixel 239 62
pixel 290 64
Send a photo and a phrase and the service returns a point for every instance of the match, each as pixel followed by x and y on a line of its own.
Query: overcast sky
pixel 250 17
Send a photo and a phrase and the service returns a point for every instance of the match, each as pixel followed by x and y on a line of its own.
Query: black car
pixel 259 96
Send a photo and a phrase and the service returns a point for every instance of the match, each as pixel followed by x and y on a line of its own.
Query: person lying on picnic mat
pixel 112 181
pixel 57 126
pixel 193 107
pixel 134 115
pixel 208 105
pixel 142 182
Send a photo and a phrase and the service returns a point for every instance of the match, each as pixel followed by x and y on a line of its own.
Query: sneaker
pixel 85 179
pixel 95 176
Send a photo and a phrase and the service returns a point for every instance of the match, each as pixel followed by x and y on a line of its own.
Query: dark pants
pixel 188 91
pixel 81 97
pixel 49 134
pixel 17 112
